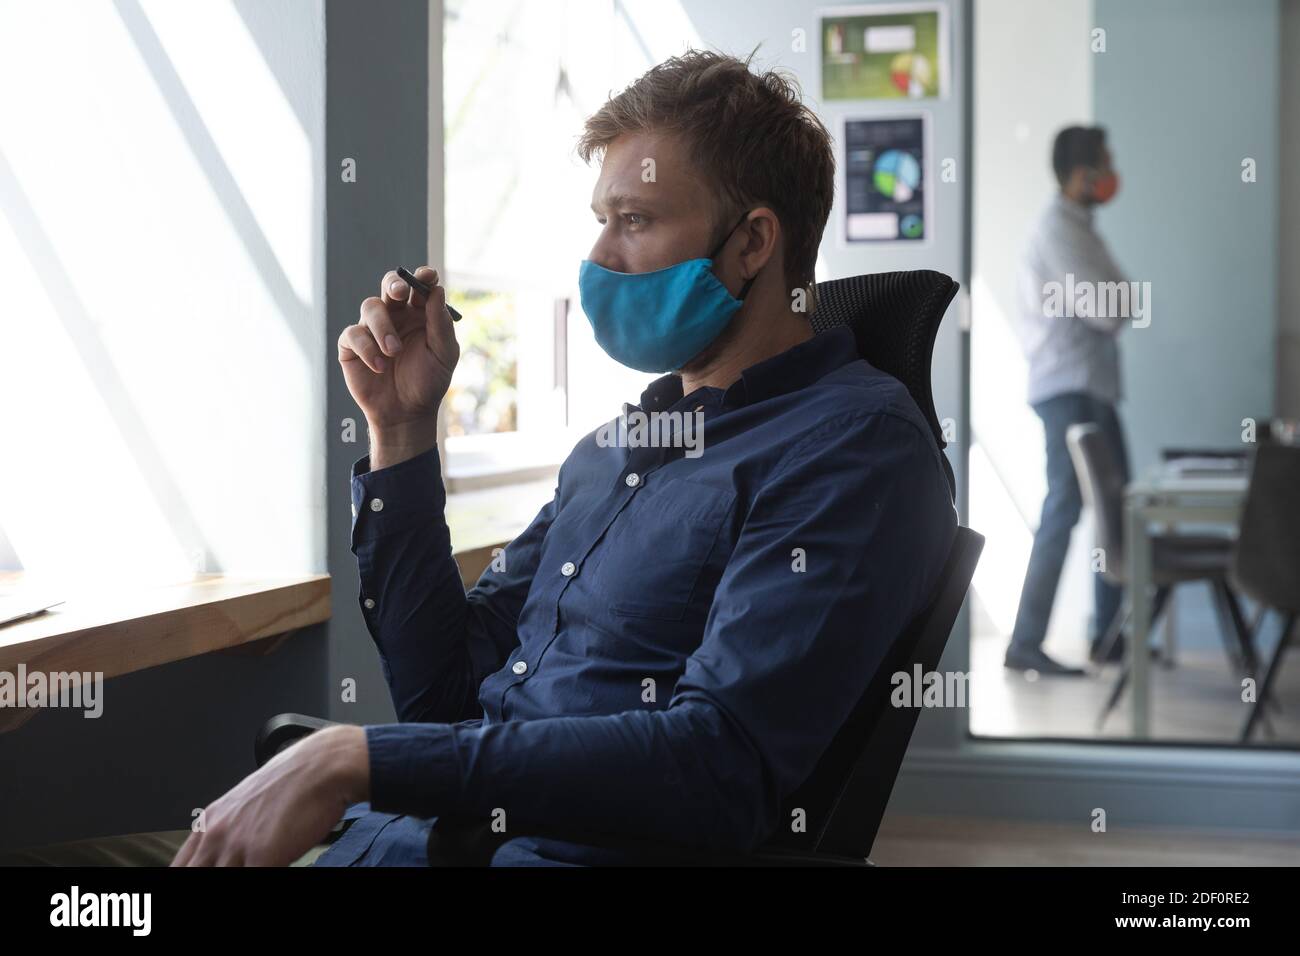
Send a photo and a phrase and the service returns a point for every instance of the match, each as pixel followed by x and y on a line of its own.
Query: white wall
pixel 1017 114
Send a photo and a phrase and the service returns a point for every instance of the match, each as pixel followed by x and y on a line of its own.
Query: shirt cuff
pixel 414 768
pixel 396 498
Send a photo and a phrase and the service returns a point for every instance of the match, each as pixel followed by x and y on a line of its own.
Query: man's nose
pixel 603 257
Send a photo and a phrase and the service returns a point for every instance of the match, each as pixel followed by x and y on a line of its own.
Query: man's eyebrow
pixel 614 200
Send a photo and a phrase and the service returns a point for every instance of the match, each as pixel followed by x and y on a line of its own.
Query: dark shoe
pixel 1033 659
pixel 1118 651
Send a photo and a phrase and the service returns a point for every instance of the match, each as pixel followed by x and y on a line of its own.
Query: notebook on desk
pixel 1191 462
pixel 19 607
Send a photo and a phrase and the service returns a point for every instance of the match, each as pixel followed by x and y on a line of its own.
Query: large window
pixel 151 435
pixel 519 80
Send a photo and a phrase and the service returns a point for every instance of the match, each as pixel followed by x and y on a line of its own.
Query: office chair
pixel 895 318
pixel 1175 559
pixel 1266 562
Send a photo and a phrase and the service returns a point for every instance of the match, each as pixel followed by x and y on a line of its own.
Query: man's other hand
pixel 285 808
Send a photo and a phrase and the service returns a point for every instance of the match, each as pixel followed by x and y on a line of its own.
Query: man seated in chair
pixel 668 648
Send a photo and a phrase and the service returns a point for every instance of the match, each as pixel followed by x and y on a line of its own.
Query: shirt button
pixel 376 504
pixel 520 667
pixel 633 480
pixel 568 569
pixel 369 603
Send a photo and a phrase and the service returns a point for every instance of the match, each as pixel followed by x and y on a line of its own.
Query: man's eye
pixel 634 219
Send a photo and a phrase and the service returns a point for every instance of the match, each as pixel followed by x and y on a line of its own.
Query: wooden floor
pixel 927 841
pixel 1196 701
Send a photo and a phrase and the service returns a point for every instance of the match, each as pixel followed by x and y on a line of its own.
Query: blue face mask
pixel 658 321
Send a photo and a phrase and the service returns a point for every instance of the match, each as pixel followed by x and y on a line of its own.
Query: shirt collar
pixel 1075 210
pixel 793 369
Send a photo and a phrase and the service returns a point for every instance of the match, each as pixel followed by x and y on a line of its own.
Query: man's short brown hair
pixel 749 134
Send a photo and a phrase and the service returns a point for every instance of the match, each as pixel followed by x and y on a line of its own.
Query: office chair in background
pixel 1175 559
pixel 895 317
pixel 1266 563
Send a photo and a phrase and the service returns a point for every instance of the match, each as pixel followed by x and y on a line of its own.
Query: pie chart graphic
pixel 897 175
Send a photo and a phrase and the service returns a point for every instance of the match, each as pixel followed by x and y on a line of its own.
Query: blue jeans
pixel 1060 514
pixel 379 839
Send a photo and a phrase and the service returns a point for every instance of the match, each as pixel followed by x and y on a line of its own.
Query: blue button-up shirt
pixel 667 649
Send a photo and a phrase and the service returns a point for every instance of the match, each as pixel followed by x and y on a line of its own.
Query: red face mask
pixel 1104 187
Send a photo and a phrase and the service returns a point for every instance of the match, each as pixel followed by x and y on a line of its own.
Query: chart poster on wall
pixel 885 180
pixel 884 52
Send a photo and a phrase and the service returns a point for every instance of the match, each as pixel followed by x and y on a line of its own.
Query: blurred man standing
pixel 1073 376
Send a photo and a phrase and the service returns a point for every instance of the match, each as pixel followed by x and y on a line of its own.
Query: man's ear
pixel 1076 186
pixel 762 233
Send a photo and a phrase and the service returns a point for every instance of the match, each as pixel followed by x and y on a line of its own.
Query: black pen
pixel 423 289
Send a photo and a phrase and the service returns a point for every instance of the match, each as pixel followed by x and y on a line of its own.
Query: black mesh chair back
pixel 895 317
pixel 844 799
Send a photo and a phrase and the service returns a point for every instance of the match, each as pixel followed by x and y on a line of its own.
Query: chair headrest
pixel 895 318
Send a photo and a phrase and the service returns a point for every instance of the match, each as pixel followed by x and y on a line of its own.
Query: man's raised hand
pixel 398 358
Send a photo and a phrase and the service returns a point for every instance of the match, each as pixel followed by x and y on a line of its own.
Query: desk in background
pixel 1170 498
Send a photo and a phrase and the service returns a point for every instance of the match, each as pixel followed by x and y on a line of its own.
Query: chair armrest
pixel 282 730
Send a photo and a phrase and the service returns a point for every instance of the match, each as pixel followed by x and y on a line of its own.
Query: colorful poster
pixel 886 52
pixel 885 188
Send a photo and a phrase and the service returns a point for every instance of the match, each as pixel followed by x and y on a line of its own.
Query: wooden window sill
pixel 129 631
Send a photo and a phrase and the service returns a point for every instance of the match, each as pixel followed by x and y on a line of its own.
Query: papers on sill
pixel 19 607
pixel 1205 465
